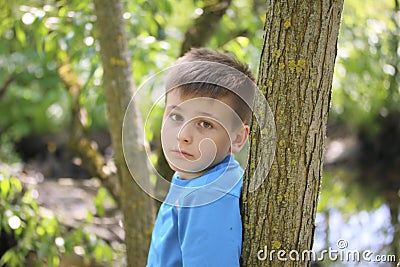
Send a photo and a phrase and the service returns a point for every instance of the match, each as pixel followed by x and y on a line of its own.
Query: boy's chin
pixel 191 169
pixel 190 173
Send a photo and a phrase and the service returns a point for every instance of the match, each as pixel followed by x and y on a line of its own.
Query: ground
pixel 70 200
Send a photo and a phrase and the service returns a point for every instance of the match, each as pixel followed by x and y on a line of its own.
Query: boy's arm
pixel 211 235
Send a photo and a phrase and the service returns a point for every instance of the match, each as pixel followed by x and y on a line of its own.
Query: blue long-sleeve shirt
pixel 199 223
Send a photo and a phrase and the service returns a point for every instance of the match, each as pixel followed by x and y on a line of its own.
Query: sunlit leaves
pixel 37 36
pixel 46 34
pixel 39 232
pixel 240 32
pixel 361 81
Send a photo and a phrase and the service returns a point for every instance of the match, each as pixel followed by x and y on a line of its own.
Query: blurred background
pixel 53 205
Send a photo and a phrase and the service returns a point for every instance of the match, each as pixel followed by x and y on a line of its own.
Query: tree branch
pixel 79 143
pixel 205 25
pixel 6 85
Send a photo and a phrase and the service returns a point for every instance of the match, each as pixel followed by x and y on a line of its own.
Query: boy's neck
pixel 193 175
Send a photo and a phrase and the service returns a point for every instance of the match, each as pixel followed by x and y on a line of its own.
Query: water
pixel 361 239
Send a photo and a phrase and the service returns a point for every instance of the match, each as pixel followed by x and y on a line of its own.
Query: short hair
pixel 236 77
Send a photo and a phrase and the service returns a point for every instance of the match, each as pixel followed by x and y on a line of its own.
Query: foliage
pixel 365 64
pixel 37 37
pixel 39 233
pixel 7 151
pixel 103 198
pixel 366 94
pixel 365 98
pixel 340 191
pixel 240 32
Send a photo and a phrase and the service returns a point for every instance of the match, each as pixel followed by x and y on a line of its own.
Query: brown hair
pixel 236 79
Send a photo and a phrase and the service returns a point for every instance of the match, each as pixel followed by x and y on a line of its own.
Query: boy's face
pixel 198 133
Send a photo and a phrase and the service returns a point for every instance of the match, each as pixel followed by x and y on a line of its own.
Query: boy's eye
pixel 175 117
pixel 205 124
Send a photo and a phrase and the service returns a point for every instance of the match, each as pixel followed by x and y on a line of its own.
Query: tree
pixel 295 76
pixel 135 204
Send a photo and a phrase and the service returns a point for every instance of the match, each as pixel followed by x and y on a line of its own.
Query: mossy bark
pixel 295 75
pixel 136 205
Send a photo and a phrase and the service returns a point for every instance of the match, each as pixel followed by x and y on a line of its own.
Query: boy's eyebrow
pixel 206 114
pixel 169 108
pixel 202 113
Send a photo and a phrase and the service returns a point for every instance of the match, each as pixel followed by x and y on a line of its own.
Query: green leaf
pixel 99 199
pixel 16 184
pixel 20 34
pixel 5 188
pixel 12 258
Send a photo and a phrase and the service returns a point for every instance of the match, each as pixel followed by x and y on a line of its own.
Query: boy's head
pixel 208 109
pixel 202 72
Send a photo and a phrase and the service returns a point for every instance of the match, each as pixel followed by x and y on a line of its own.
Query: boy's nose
pixel 185 134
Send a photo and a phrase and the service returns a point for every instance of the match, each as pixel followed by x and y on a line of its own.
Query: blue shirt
pixel 199 223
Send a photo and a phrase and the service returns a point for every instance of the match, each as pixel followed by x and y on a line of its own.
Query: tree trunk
pixel 136 206
pixel 295 76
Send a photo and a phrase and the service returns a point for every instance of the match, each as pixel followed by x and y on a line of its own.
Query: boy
pixel 208 109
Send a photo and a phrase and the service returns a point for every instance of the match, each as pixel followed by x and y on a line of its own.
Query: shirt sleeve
pixel 211 235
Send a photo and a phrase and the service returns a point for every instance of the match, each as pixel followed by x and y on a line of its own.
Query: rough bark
pixel 295 75
pixel 137 207
pixel 205 25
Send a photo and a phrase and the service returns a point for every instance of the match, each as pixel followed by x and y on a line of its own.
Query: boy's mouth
pixel 182 153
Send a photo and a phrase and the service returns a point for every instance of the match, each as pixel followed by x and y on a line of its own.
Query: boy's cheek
pixel 167 128
pixel 208 148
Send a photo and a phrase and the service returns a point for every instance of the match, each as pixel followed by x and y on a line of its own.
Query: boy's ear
pixel 239 138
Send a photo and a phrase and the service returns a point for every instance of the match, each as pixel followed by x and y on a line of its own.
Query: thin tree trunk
pixel 79 142
pixel 295 75
pixel 136 205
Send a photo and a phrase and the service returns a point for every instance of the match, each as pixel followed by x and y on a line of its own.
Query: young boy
pixel 208 109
